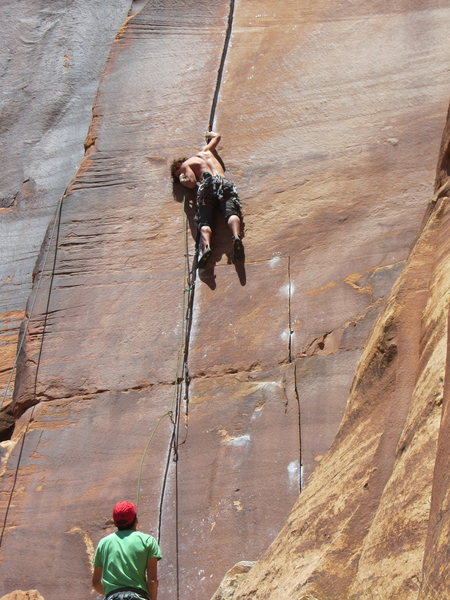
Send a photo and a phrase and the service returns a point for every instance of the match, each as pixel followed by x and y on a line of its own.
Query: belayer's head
pixel 175 168
pixel 124 515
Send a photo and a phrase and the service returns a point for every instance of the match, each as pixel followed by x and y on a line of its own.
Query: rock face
pixel 51 57
pixel 364 526
pixel 231 580
pixel 210 399
pixel 20 595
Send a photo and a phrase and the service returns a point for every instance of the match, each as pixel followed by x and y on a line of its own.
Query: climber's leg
pixel 205 245
pixel 234 223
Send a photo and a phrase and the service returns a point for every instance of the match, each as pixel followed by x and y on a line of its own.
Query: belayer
pixel 205 171
pixel 126 561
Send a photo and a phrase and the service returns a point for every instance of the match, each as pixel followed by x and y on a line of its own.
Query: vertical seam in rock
pixel 50 289
pixel 56 227
pixel 16 474
pixel 291 359
pixel 222 64
pixel 183 381
pixel 36 293
pixel 291 333
pixel 300 465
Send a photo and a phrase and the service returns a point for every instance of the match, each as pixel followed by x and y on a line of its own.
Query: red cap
pixel 124 513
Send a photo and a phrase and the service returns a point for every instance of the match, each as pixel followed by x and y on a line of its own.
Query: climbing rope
pixel 16 474
pixel 180 394
pixel 147 447
pixel 182 378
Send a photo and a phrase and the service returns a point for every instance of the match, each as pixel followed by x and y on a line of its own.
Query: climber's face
pixel 175 169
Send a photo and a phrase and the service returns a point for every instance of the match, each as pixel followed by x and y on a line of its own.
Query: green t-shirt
pixel 123 556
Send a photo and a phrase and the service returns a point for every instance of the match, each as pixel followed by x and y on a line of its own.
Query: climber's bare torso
pixel 191 171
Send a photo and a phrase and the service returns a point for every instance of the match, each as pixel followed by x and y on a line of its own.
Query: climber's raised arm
pixel 212 139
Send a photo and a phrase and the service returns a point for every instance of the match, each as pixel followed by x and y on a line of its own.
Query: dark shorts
pixel 216 192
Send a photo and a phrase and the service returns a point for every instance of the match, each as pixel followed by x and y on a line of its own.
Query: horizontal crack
pixel 256 366
pixel 329 342
pixel 45 397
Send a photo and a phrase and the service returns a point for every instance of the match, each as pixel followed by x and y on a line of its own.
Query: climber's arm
pixel 213 139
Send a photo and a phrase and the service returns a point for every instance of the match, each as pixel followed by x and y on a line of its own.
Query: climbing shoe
pixel 238 249
pixel 202 261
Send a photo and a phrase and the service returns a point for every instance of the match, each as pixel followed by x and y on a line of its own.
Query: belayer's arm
pixel 152 578
pixel 97 580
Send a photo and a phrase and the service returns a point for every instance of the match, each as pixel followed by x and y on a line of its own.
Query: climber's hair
pixel 128 526
pixel 176 164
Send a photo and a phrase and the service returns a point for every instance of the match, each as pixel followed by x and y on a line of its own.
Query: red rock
pixel 309 104
pixel 365 514
pixel 20 595
pixel 50 63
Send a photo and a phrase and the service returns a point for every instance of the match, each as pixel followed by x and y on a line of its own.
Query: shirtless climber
pixel 205 171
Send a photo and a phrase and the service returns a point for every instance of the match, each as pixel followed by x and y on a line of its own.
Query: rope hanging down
pixel 182 379
pixel 181 394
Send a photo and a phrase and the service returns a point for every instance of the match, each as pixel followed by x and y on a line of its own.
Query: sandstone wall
pixel 331 118
pixel 51 58
pixel 364 526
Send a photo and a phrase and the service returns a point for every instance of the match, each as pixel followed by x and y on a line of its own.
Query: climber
pixel 126 561
pixel 205 171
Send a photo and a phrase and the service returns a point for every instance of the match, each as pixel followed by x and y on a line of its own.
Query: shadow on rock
pixel 240 270
pixel 207 275
pixel 222 243
pixel 187 198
